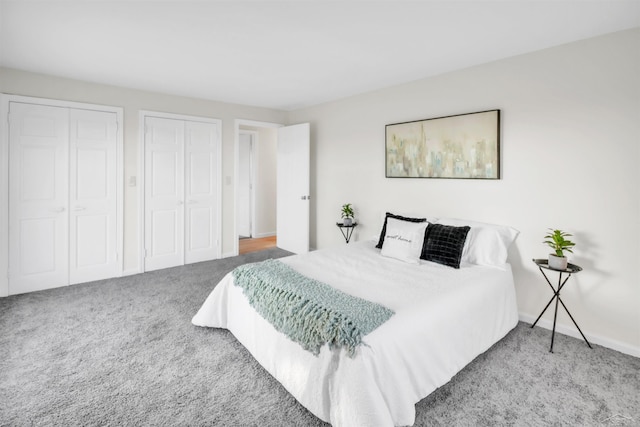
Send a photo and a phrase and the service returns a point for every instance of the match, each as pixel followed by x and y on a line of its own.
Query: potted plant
pixel 557 240
pixel 347 214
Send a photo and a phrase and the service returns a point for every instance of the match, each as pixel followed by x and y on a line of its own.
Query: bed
pixel 443 318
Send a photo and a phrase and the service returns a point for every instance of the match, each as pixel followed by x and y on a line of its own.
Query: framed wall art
pixel 464 146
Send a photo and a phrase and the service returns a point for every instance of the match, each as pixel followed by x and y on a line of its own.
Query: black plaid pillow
pixel 383 233
pixel 444 243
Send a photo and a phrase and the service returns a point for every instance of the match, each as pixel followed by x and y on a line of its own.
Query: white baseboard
pixel 573 332
pixel 131 272
pixel 261 235
pixel 228 254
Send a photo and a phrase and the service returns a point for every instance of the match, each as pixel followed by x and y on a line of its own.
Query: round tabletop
pixel 340 224
pixel 544 263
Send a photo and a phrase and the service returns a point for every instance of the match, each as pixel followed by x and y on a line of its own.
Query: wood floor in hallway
pixel 253 245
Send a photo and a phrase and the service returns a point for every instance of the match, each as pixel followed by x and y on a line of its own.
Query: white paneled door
pixel 62 196
pixel 181 192
pixel 293 188
pixel 164 193
pixel 38 197
pixel 92 198
pixel 201 191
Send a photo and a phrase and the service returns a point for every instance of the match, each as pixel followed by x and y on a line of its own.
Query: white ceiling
pixel 286 55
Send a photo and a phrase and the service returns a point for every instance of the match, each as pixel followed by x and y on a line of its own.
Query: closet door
pixel 181 191
pixel 38 197
pixel 92 199
pixel 201 216
pixel 164 193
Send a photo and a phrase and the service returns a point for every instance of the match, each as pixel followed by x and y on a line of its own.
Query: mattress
pixel 443 319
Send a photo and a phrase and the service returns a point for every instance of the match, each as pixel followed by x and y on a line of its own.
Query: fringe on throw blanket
pixel 309 312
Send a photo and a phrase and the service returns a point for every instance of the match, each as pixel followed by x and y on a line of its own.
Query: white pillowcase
pixel 403 240
pixel 487 244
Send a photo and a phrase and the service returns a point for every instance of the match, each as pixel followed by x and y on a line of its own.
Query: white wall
pixel 570 119
pixel 570 152
pixel 266 151
pixel 38 85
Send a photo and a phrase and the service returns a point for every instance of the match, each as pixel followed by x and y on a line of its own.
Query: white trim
pixel 4 198
pixel 5 100
pixel 140 184
pixel 219 201
pixel 268 234
pixel 142 115
pixel 188 118
pixel 236 163
pixel 252 178
pixel 571 331
pixel 120 188
pixel 130 272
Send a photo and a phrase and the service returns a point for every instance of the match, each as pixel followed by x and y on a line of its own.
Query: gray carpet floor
pixel 123 352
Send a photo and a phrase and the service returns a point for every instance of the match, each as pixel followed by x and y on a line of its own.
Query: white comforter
pixel 443 319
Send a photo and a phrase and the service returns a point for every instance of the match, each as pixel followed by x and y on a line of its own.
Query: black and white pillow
pixel 404 240
pixel 444 244
pixel 398 217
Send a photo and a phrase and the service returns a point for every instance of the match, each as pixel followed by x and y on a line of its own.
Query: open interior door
pixel 293 188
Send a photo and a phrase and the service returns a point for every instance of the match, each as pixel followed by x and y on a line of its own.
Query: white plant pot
pixel 347 221
pixel 557 262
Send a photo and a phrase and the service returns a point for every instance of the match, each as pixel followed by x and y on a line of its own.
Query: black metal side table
pixel 347 230
pixel 571 269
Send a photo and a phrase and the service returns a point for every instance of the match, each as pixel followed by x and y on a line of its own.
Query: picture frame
pixel 462 146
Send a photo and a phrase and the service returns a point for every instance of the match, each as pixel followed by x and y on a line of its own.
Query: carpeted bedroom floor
pixel 124 352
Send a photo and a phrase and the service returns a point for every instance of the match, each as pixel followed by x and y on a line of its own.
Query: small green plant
pixel 347 211
pixel 557 240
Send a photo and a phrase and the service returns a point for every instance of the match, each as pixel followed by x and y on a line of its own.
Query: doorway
pixel 246 184
pixel 281 183
pixel 256 172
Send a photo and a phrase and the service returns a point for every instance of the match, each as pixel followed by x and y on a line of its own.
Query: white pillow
pixel 403 240
pixel 401 216
pixel 487 244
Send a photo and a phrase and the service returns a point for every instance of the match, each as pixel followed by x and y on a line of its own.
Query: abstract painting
pixel 460 146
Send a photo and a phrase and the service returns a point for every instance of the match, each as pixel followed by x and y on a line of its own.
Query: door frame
pixel 142 115
pixel 236 167
pixel 5 100
pixel 252 177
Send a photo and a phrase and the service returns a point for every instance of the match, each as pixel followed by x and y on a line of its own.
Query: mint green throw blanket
pixel 309 312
